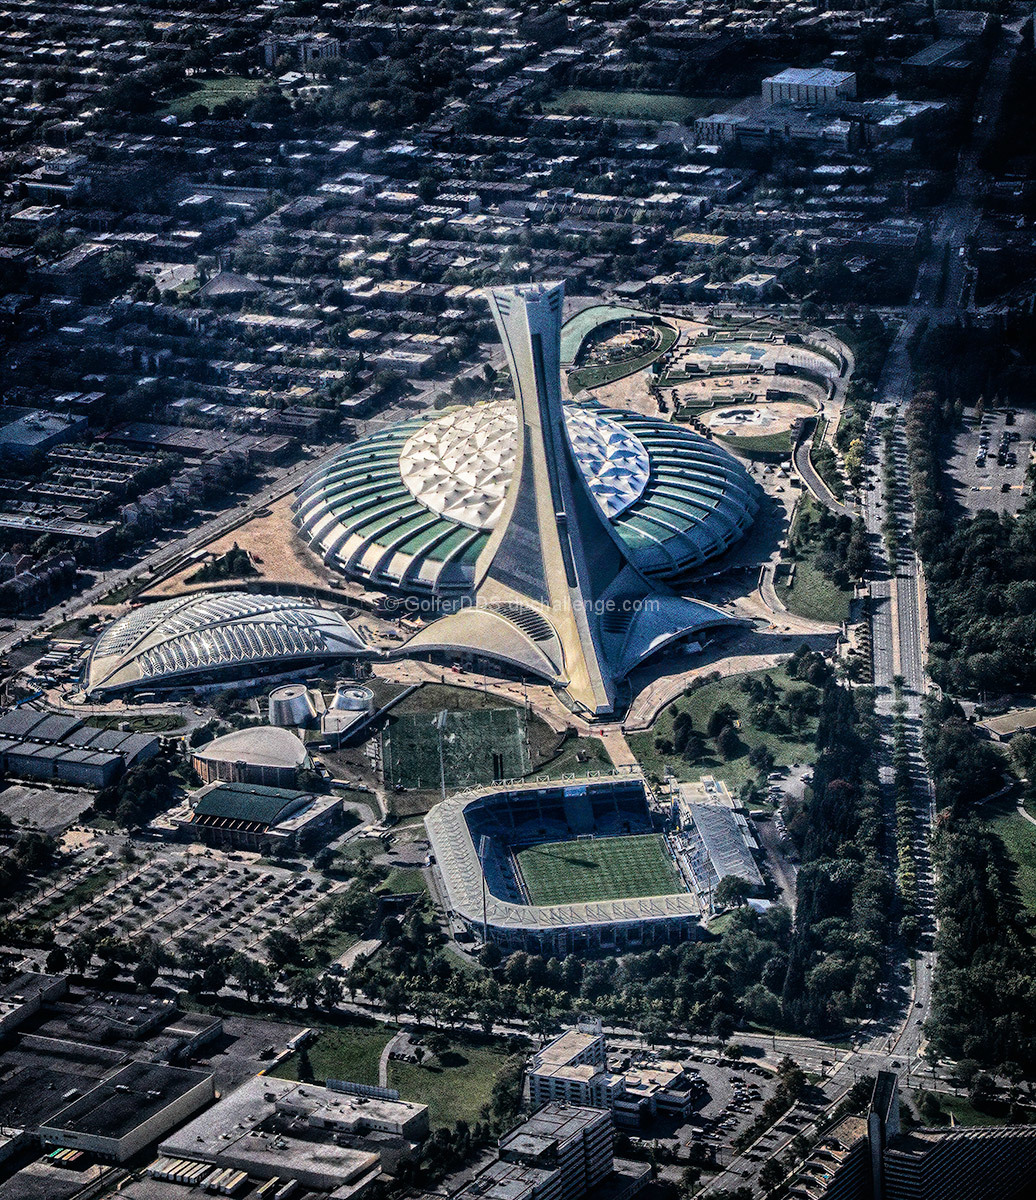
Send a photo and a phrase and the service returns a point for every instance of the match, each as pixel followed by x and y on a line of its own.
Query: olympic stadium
pixel 411 508
pixel 546 532
pixel 214 638
pixel 559 868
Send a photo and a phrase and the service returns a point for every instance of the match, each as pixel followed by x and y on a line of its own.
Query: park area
pixel 612 868
pixel 212 91
pixel 643 106
pixel 803 586
pixel 350 1052
pixel 1018 836
pixel 782 723
pixel 457 1084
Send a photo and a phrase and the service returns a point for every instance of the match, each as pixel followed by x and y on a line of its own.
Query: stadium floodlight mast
pixel 440 724
pixel 483 847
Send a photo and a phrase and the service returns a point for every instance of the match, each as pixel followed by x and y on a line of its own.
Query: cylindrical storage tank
pixel 291 706
pixel 353 699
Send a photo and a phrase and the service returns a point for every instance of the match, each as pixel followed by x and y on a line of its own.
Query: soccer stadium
pixel 217 637
pixel 560 868
pixel 412 507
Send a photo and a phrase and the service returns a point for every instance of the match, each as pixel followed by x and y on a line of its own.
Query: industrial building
pixel 122 1114
pixel 809 85
pixel 207 640
pixel 261 754
pixel 24 995
pixel 51 746
pixel 341 1137
pixel 247 816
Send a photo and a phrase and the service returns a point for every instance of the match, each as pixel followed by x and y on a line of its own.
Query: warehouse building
pixel 121 1115
pixel 37 745
pixel 341 1137
pixel 809 85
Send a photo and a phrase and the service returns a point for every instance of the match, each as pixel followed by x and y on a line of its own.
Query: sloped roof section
pixel 206 636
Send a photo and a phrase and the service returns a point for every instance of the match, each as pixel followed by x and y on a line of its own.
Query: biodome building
pixel 547 533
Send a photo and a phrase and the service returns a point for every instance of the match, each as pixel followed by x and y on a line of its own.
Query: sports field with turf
pixel 614 868
pixel 479 746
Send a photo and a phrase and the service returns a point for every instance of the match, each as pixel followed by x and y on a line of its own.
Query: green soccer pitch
pixel 614 868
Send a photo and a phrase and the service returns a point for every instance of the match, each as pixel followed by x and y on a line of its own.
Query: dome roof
pixel 412 506
pixel 209 636
pixel 258 746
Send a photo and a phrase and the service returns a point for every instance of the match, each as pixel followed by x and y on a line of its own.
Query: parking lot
pixel 989 460
pixel 207 895
pixel 733 1097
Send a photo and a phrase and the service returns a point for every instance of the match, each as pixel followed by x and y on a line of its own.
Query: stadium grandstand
pixel 562 867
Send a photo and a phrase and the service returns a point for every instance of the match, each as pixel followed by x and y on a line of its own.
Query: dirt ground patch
pixel 277 552
pixel 756 420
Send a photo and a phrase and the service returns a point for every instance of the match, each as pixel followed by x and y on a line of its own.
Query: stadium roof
pixel 724 835
pixel 198 638
pixel 461 870
pixel 248 802
pixel 411 507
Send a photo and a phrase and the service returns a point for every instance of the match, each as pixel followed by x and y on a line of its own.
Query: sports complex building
pixel 412 507
pixel 561 868
pixel 548 533
pixel 207 639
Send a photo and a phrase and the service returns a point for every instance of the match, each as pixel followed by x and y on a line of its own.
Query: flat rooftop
pixel 811 76
pixel 566 1047
pixel 238 1130
pixel 126 1100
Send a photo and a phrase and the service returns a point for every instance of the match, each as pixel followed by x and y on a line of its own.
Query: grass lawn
pixel 400 881
pixel 1019 839
pixel 699 705
pixel 813 595
pixel 213 91
pixel 645 106
pixel 600 869
pixel 766 444
pixel 351 1054
pixel 576 756
pixel 152 723
pixel 965 1113
pixel 458 1088
pixel 591 377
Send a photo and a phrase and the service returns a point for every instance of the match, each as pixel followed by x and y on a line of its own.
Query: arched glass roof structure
pixel 411 507
pixel 212 636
